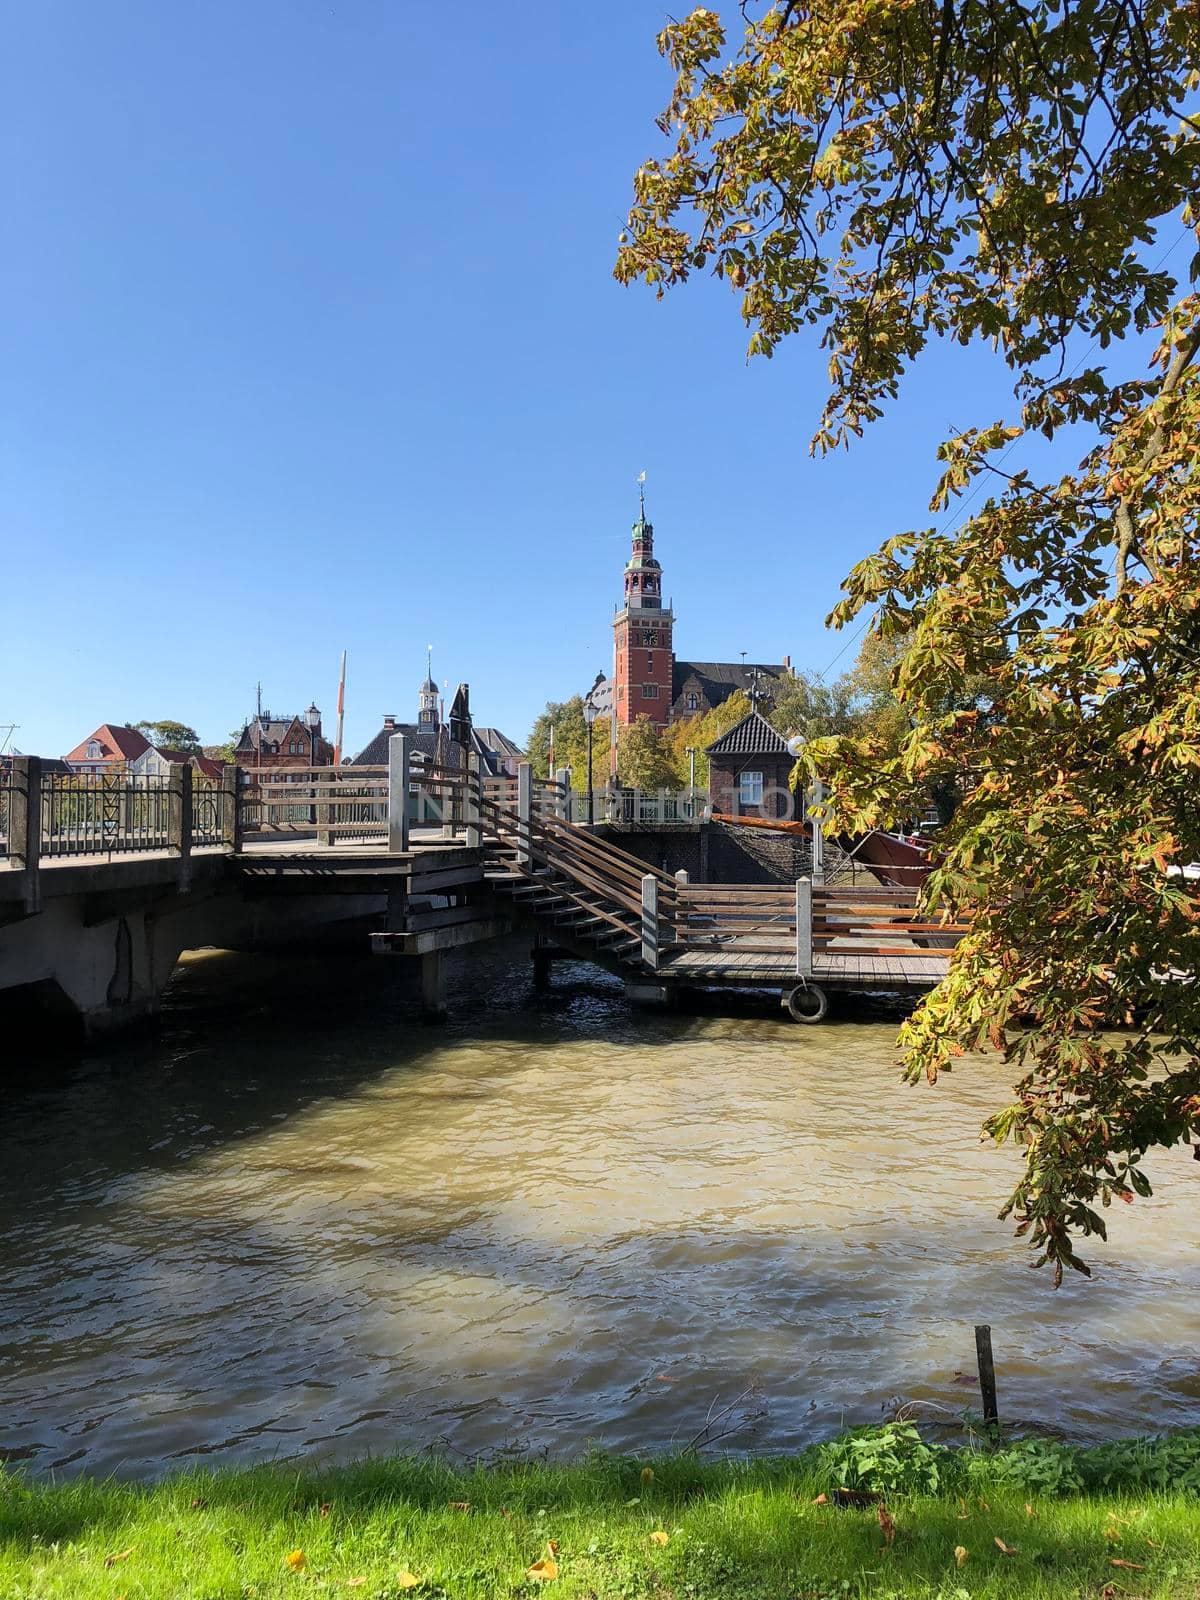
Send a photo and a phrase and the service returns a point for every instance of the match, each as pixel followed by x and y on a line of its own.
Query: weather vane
pixel 641 479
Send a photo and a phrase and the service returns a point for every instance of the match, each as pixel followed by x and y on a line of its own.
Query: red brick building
pixel 643 654
pixel 269 741
pixel 648 680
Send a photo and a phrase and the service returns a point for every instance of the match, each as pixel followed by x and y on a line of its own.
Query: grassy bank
pixel 1034 1520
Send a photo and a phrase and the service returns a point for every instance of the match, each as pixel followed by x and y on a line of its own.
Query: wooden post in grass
pixel 987 1372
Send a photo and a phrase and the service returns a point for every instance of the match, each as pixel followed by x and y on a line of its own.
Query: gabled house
pixel 268 741
pixel 748 770
pixel 157 763
pixel 110 749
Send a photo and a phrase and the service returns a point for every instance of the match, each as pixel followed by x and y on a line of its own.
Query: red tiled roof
pixel 116 741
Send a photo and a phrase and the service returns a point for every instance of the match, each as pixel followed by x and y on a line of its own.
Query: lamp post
pixel 796 746
pixel 312 720
pixel 691 755
pixel 589 716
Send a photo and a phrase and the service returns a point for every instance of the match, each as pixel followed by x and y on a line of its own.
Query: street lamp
pixel 312 721
pixel 691 755
pixel 589 716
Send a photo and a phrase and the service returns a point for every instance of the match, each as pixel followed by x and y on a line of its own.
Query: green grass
pixel 735 1529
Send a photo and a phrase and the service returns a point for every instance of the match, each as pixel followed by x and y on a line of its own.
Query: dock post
pixel 179 820
pixel 398 785
pixel 524 812
pixel 818 834
pixel 650 921
pixel 804 948
pixel 562 800
pixel 680 922
pixel 987 1372
pixel 325 812
pixel 471 811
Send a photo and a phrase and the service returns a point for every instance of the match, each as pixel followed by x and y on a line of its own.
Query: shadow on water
pixel 299 1220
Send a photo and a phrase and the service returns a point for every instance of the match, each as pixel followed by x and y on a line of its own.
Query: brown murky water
pixel 298 1221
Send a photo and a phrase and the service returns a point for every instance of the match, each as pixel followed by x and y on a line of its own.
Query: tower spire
pixel 641 479
pixel 429 715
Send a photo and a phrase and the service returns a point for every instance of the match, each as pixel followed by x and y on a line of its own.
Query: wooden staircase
pixel 564 882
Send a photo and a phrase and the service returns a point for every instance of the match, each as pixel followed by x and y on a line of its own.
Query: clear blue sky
pixel 310 341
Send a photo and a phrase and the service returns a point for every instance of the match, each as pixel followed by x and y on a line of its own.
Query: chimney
pixel 389 721
pixel 787 663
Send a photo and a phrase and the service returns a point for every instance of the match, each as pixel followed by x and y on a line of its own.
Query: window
pixel 93 751
pixel 649 691
pixel 750 789
pixel 693 700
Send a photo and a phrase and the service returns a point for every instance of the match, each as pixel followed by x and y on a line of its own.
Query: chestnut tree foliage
pixel 1020 172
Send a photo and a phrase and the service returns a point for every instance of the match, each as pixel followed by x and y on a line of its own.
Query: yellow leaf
pixel 297 1560
pixel 1132 1566
pixel 1029 1511
pixel 460 1505
pixel 960 1555
pixel 122 1555
pixel 1004 1549
pixel 355 1583
pixel 543 1571
pixel 407 1580
pixel 659 1537
pixel 552 1547
pixel 821 1500
pixel 647 1474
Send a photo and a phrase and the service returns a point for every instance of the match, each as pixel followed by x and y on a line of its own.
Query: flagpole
pixel 341 709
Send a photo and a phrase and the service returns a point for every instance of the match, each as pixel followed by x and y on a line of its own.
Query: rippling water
pixel 299 1221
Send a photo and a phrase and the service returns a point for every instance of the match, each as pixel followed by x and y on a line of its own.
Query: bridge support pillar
pixel 541 969
pixel 433 987
pixel 25 826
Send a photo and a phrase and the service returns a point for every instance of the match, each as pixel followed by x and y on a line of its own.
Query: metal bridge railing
pixel 97 814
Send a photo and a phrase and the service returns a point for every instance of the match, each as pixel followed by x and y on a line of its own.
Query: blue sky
pixel 310 342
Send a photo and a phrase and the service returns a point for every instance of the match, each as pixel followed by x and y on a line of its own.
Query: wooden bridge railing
pixel 808 921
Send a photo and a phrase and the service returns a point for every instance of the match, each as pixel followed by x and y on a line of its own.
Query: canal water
pixel 298 1221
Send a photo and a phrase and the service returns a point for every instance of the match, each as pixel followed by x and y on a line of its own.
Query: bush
pixel 894 1459
pixel 1040 1466
pixel 1170 1463
pixel 890 1459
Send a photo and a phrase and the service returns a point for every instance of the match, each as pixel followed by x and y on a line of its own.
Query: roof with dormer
pixel 752 736
pixel 719 679
pixel 117 743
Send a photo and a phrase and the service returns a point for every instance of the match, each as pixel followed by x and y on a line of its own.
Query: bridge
pixel 105 882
